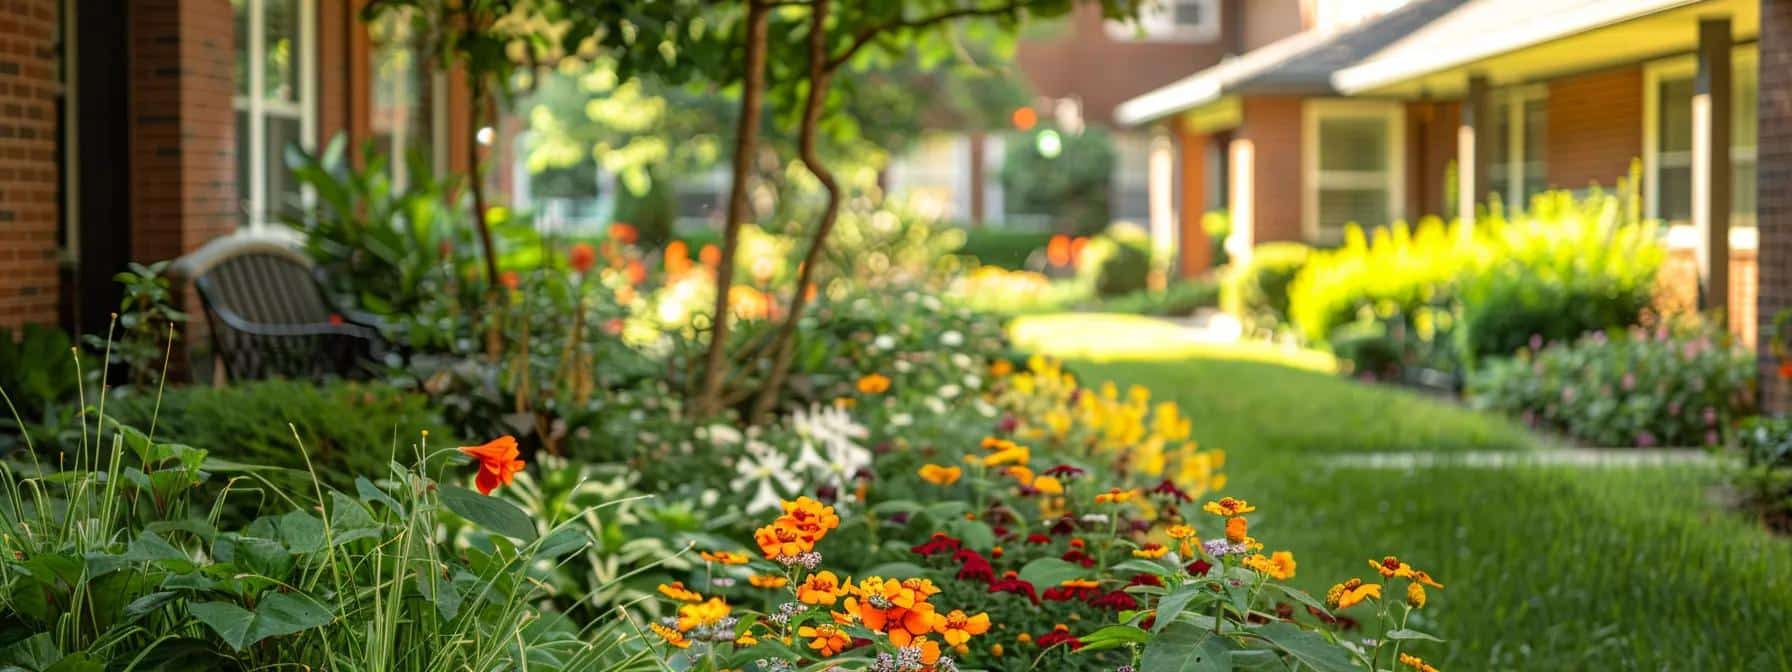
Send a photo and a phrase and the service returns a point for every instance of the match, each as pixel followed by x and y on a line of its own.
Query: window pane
pixel 1353 143
pixel 283 190
pixel 1675 203
pixel 1536 126
pixel 1337 207
pixel 1676 115
pixel 1742 195
pixel 1188 12
pixel 242 167
pixel 1744 95
pixel 280 33
pixel 401 119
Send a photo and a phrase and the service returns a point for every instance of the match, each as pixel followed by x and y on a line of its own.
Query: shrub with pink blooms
pixel 1674 385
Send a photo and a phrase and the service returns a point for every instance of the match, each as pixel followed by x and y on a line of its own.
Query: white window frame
pixel 258 107
pixel 1514 100
pixel 1393 179
pixel 1157 23
pixel 1668 69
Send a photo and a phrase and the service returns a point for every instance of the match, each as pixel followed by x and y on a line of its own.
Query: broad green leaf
pixel 1044 573
pixel 1186 648
pixel 1407 634
pixel 975 534
pixel 1142 566
pixel 1310 648
pixel 278 615
pixel 231 622
pixel 1297 595
pixel 491 513
pixel 368 492
pixel 1172 605
pixel 1112 636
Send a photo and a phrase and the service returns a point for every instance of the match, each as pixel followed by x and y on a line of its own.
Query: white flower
pixel 724 435
pixel 884 342
pixel 760 471
pixel 962 360
pixel 901 420
pixel 985 408
pixel 903 366
pixel 935 404
pixel 840 456
pixel 973 381
pixel 950 391
pixel 951 339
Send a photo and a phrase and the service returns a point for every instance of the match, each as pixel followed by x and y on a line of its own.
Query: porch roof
pixel 1514 41
pixel 1301 64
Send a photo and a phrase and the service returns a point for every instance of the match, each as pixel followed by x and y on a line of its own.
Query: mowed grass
pixel 1546 568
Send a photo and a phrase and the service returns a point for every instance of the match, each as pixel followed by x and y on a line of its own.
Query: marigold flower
pixel 1020 473
pixel 1117 600
pixel 1151 551
pixel 768 581
pixel 710 255
pixel 498 463
pixel 1415 595
pixel 702 614
pixel 996 649
pixel 972 566
pixel 1228 507
pixel 1115 496
pixel 1237 530
pixel 1278 566
pixel 672 637
pixel 873 383
pixel 624 232
pixel 1426 579
pixel 1392 567
pixel 1015 455
pixel 1049 485
pixel 957 627
pixel 1060 634
pixel 1080 583
pixel 940 542
pixel 781 540
pixel 677 591
pixel 1000 367
pixel 940 475
pixel 1416 663
pixel 822 587
pixel 1350 593
pixel 724 557
pixel 810 516
pixel 746 639
pixel 582 257
pixel 922 586
pixel 826 639
pixel 1181 532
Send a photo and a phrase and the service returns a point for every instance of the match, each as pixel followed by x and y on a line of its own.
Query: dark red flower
pixel 1009 584
pixel 1038 539
pixel 1065 525
pixel 1008 424
pixel 1199 567
pixel 1147 622
pixel 1145 579
pixel 1116 600
pixel 939 544
pixel 1059 635
pixel 1080 558
pixel 1064 471
pixel 1068 593
pixel 1170 489
pixel 972 566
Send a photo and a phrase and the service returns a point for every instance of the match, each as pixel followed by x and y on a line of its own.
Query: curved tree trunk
pixel 821 71
pixel 715 367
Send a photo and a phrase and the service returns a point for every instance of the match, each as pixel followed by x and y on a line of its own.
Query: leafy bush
pixel 1116 262
pixel 1765 477
pixel 1257 292
pixel 1007 248
pixel 1070 187
pixel 1567 268
pixel 1667 387
pixel 1180 299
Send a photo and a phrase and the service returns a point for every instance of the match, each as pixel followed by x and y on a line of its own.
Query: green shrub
pixel 1178 300
pixel 1257 292
pixel 1765 477
pixel 1668 387
pixel 1006 248
pixel 1116 262
pixel 1070 187
pixel 347 428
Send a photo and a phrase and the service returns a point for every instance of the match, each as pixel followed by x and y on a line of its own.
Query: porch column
pixel 979 209
pixel 1195 251
pixel 1473 137
pixel 1772 179
pixel 1242 164
pixel 1711 162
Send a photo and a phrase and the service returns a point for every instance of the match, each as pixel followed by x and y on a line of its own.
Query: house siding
pixel 1083 62
pixel 29 87
pixel 1595 127
pixel 183 126
pixel 1272 127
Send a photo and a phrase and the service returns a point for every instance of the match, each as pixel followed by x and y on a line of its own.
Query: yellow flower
pixel 746 639
pixel 1049 485
pixel 1415 595
pixel 702 614
pixel 995 650
pixel 677 591
pixel 1115 496
pixel 1181 532
pixel 672 637
pixel 1350 593
pixel 1228 507
pixel 1021 474
pixel 874 383
pixel 1416 663
pixel 1081 583
pixel 768 581
pixel 1426 579
pixel 1278 566
pixel 957 627
pixel 1015 455
pixel 724 557
pixel 1391 567
pixel 1237 530
pixel 1151 551
pixel 939 475
pixel 827 639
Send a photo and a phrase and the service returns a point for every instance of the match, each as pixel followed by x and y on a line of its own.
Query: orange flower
pixel 938 475
pixel 582 257
pixel 497 463
pixel 810 516
pixel 889 606
pixel 820 588
pixel 1237 530
pixel 1049 485
pixel 1426 579
pixel 677 591
pixel 672 637
pixel 1416 663
pixel 1279 566
pixel 509 280
pixel 710 255
pixel 782 540
pixel 724 557
pixel 826 639
pixel 874 383
pixel 702 614
pixel 768 581
pixel 1391 567
pixel 624 232
pixel 1350 593
pixel 1151 551
pixel 1115 496
pixel 1081 584
pixel 957 627
pixel 636 272
pixel 1227 507
pixel 1000 367
pixel 1181 532
pixel 678 257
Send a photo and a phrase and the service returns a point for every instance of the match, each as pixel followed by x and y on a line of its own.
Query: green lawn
pixel 1547 568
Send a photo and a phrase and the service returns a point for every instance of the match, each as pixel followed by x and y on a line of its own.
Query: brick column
pixel 1711 162
pixel 183 125
pixel 1773 179
pixel 28 135
pixel 1196 253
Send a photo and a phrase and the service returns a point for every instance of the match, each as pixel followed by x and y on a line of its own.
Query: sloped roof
pixel 1302 63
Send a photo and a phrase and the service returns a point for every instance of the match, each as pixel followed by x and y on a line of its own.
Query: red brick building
pixel 139 130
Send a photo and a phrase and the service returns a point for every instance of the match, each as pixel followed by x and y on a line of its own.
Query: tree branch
pixel 865 36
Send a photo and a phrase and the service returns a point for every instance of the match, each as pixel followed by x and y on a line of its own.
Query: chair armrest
pixel 239 323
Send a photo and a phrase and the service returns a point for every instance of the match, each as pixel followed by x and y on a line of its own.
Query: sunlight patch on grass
pixel 1113 337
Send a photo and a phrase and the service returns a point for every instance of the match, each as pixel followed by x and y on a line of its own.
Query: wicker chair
pixel 268 315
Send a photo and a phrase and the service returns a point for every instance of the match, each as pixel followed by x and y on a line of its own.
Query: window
pixel 274 102
pixel 1353 166
pixel 1515 159
pixel 1131 199
pixel 402 124
pixel 1171 21
pixel 1667 139
pixel 935 177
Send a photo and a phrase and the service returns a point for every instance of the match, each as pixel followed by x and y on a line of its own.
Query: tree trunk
pixel 476 182
pixel 746 136
pixel 821 72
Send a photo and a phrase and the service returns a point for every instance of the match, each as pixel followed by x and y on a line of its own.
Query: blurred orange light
pixel 1025 118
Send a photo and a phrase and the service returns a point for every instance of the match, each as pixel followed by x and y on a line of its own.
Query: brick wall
pixel 1595 127
pixel 1272 126
pixel 1677 289
pixel 28 194
pixel 1774 180
pixel 1082 61
pixel 183 126
pixel 1430 147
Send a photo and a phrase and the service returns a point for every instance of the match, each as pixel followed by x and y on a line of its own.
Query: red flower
pixel 623 232
pixel 1065 525
pixel 508 279
pixel 1059 635
pixel 1175 493
pixel 1117 600
pixel 940 543
pixel 1064 471
pixel 1068 593
pixel 636 272
pixel 582 257
pixel 1199 567
pixel 1145 579
pixel 497 463
pixel 1037 539
pixel 1010 584
pixel 1080 558
pixel 972 566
